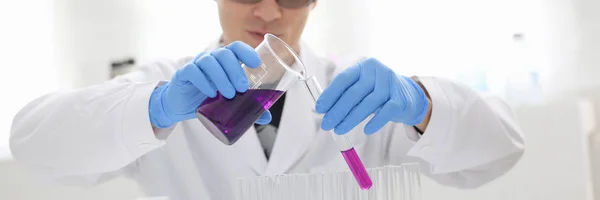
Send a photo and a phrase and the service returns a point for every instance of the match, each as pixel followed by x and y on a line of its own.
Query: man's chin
pixel 248 41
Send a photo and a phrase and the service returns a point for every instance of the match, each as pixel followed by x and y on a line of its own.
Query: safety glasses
pixel 282 3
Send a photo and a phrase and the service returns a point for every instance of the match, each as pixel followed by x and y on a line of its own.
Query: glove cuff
pixel 156 111
pixel 420 103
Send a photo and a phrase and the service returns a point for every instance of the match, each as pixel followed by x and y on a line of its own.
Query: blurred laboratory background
pixel 541 56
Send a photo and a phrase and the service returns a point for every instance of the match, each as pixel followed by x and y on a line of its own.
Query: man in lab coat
pixel 129 125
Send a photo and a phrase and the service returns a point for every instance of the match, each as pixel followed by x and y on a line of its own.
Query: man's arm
pixel 469 140
pixel 80 136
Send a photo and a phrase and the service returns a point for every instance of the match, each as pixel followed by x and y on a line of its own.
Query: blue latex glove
pixel 366 88
pixel 202 77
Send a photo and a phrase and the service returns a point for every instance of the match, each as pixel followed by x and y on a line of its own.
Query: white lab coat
pixel 90 135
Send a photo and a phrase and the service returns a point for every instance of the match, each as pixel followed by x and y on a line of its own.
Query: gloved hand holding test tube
pixel 343 143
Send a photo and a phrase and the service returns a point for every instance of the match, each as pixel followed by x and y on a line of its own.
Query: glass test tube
pixel 343 143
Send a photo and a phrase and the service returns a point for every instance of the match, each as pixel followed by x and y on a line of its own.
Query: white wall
pixel 91 34
pixel 340 28
pixel 572 30
pixel 442 38
pixel 26 57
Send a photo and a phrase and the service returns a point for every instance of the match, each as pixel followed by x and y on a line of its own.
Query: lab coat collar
pixel 298 126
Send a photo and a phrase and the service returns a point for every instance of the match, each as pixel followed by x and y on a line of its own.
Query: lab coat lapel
pixel 299 122
pixel 250 150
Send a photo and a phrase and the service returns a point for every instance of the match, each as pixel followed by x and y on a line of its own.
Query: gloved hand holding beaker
pixel 207 75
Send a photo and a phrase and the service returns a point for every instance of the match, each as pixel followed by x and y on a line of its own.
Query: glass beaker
pixel 229 119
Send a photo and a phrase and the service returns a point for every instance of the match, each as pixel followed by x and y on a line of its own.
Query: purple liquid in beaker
pixel 229 119
pixel 358 169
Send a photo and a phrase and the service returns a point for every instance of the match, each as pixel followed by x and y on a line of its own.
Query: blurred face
pixel 249 22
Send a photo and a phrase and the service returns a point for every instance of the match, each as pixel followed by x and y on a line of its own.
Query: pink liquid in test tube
pixel 354 163
pixel 358 169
